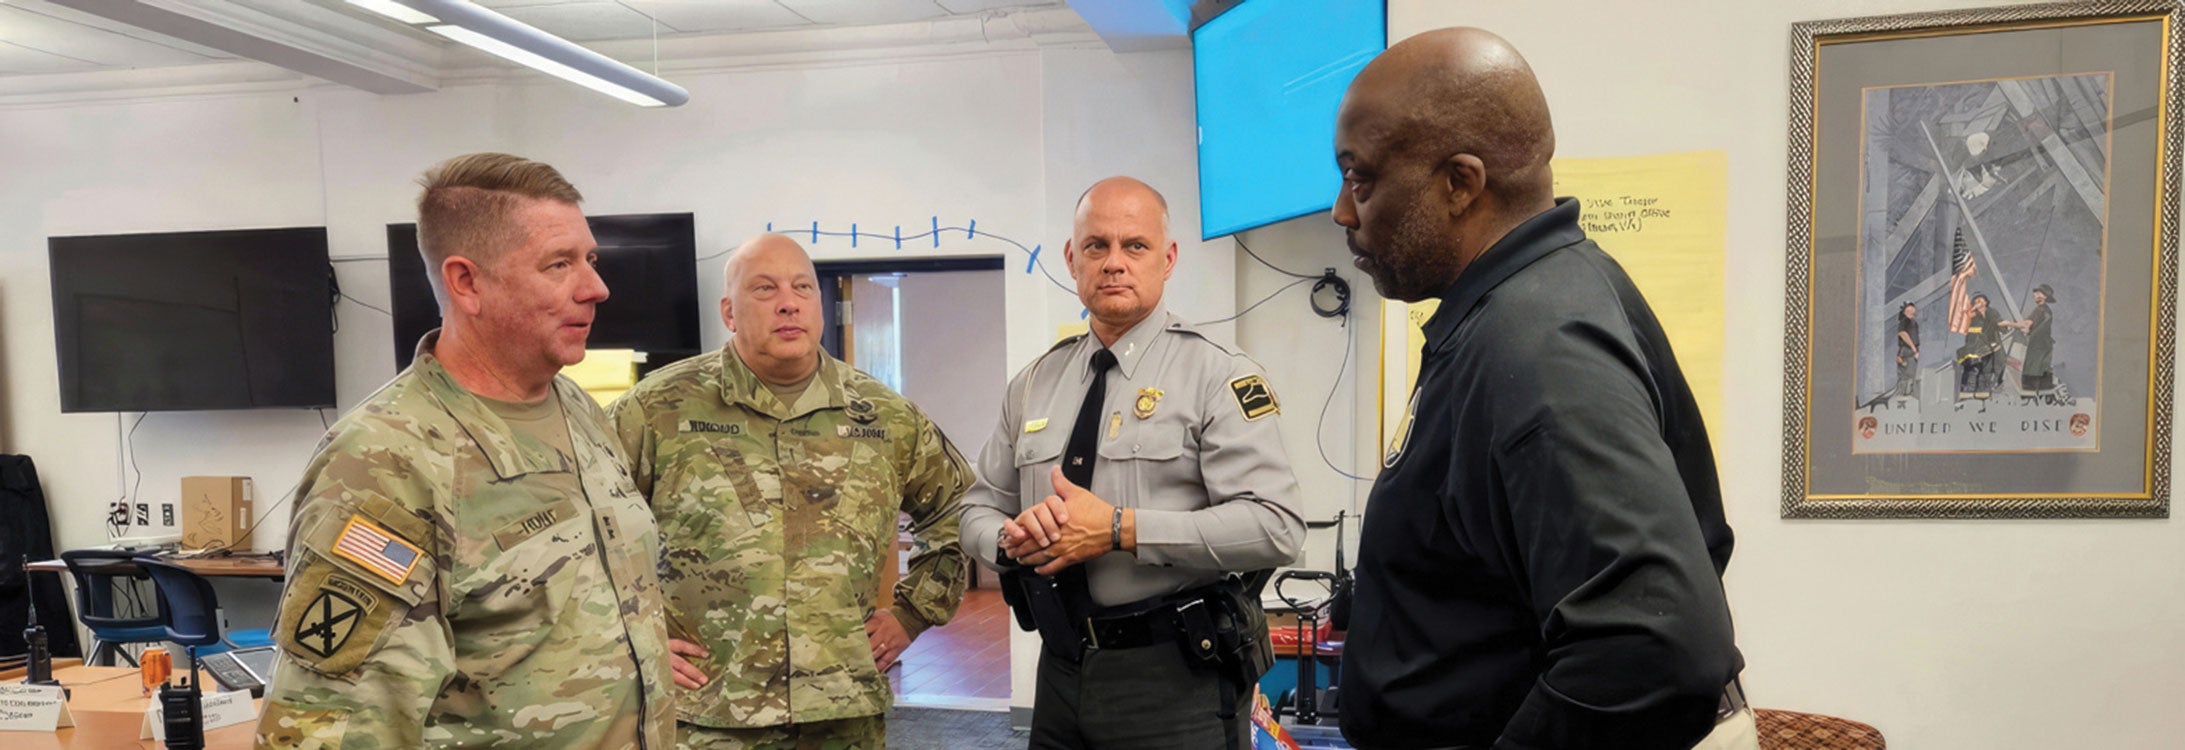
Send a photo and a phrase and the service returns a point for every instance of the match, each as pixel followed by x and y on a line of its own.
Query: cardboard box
pixel 216 511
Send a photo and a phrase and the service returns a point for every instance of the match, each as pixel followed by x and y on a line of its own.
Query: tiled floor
pixel 967 658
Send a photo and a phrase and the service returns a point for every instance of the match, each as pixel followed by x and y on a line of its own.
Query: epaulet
pixel 1066 341
pixel 1186 329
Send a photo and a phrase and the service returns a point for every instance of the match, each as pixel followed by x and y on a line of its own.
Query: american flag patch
pixel 381 553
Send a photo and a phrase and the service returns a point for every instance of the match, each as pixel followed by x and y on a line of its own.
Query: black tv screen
pixel 649 262
pixel 193 320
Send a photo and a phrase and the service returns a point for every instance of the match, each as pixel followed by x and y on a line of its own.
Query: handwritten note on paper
pixel 1664 218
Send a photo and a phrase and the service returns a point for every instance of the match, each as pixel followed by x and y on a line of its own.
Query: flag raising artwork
pixel 1961 299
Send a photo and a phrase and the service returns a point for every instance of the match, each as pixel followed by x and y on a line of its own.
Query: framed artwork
pixel 1982 263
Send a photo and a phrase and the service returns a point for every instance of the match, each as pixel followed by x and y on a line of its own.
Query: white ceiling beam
pixel 302 37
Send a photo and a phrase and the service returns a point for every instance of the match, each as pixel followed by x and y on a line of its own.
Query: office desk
pixel 108 704
pixel 253 565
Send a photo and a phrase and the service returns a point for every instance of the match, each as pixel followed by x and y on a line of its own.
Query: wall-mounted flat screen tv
pixel 649 262
pixel 184 321
pixel 1270 74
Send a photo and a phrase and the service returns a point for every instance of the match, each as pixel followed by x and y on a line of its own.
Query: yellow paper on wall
pixel 1664 219
pixel 604 373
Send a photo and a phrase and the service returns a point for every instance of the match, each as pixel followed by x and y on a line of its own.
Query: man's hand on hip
pixel 888 638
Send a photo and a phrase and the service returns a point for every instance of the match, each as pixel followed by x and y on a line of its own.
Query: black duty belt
pixel 1157 625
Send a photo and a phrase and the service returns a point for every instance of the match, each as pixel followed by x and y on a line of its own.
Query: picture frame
pixel 1983 213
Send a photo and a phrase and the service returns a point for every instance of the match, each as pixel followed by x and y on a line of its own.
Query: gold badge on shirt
pixel 1148 400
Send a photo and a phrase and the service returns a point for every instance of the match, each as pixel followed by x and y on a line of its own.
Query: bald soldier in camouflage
pixel 468 564
pixel 777 472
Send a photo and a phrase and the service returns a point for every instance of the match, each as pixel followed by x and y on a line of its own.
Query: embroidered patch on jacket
pixel 862 411
pixel 1254 398
pixel 523 528
pixel 332 617
pixel 854 431
pixel 693 425
pixel 381 553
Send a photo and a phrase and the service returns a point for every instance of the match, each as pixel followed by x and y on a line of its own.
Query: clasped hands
pixel 1069 527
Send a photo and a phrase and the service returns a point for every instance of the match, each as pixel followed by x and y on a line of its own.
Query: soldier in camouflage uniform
pixel 777 473
pixel 468 564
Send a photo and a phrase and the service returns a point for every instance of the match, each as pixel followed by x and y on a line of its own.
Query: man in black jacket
pixel 1541 562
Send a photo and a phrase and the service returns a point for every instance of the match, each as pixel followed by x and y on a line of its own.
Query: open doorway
pixel 932 329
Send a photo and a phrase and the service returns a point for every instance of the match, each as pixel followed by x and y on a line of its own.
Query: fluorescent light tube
pixel 396 11
pixel 533 60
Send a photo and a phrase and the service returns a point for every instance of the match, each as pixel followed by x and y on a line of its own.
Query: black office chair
pixel 96 572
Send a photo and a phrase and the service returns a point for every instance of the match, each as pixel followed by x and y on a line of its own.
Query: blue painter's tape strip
pixel 1034 262
pixel 898 236
pixel 1082 314
pixel 815 232
pixel 936 231
pixel 853 235
pixel 972 232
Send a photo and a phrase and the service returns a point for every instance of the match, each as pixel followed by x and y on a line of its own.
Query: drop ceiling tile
pixel 586 22
pixel 866 12
pixel 719 16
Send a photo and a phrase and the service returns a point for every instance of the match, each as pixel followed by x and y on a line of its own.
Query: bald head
pixel 1122 189
pixel 771 305
pixel 1460 91
pixel 756 249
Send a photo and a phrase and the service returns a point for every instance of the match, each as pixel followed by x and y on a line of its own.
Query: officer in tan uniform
pixel 1149 639
pixel 468 563
pixel 777 473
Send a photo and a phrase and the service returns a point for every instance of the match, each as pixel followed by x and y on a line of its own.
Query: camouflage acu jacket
pixel 776 517
pixel 454 585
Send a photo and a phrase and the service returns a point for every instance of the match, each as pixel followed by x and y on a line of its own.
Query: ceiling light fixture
pixel 396 11
pixel 520 43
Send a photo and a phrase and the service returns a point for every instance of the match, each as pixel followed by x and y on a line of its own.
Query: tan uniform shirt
pixel 1188 438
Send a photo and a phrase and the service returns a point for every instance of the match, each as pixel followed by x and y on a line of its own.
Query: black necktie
pixel 1077 460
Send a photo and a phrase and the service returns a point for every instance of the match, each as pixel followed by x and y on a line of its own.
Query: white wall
pixel 1945 634
pixel 953 364
pixel 1007 136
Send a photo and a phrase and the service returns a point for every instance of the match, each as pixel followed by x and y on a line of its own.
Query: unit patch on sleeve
pixel 1254 398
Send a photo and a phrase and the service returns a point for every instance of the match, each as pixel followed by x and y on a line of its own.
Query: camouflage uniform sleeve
pixel 933 489
pixel 365 648
pixel 636 439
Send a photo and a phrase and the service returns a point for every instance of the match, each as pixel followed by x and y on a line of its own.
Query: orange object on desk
pixel 156 666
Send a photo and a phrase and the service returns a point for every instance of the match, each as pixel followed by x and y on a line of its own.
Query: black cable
pixel 1262 301
pixel 131 442
pixel 368 306
pixel 1263 261
pixel 1320 431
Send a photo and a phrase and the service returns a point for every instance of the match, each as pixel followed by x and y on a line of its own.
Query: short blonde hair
pixel 468 205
